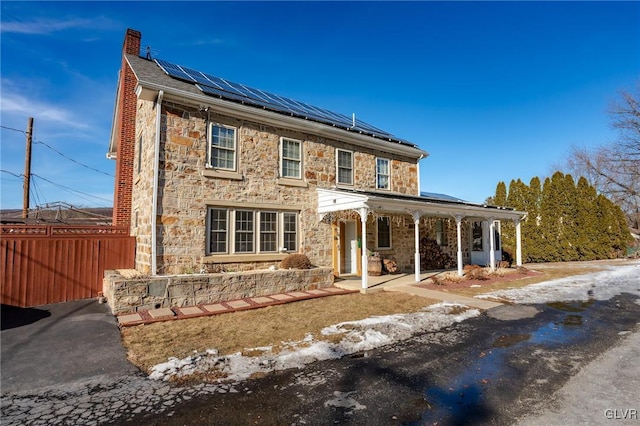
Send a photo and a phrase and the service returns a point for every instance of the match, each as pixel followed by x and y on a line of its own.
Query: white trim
pixel 300 160
pixel 353 174
pixel 236 157
pixel 388 188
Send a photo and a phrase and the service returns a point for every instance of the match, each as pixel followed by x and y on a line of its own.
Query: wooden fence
pixel 44 264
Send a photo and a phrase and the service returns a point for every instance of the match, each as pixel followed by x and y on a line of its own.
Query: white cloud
pixel 15 103
pixel 49 26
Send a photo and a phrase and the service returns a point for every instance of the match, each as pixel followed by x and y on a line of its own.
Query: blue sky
pixel 493 91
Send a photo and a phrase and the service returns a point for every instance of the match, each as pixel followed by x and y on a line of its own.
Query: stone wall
pixel 187 187
pixel 128 295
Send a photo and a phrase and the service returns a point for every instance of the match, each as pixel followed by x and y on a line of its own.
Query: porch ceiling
pixel 334 200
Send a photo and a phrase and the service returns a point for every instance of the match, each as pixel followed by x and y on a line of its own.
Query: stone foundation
pixel 127 293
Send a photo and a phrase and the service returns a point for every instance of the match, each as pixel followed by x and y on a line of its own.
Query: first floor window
pixel 222 147
pixel 217 230
pixel 231 231
pixel 244 231
pixel 384 232
pixel 268 232
pixel 290 231
pixel 344 167
pixel 496 233
pixel 382 173
pixel 476 233
pixel 441 233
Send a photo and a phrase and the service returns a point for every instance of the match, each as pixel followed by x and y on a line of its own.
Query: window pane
pixel 384 232
pixel 217 231
pixel 345 167
pixel 268 232
pixel 383 182
pixel 383 166
pixel 441 234
pixel 477 236
pixel 244 231
pixel 223 148
pixel 382 173
pixel 291 158
pixel 290 231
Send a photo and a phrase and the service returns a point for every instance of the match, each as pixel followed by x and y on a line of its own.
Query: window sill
pixel 292 182
pixel 249 257
pixel 223 174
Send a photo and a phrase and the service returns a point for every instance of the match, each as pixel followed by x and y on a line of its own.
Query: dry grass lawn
pixel 148 345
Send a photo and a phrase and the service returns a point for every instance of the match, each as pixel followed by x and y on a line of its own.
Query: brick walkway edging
pixel 186 312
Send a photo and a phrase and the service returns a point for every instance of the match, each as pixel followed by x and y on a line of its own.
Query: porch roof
pixel 334 200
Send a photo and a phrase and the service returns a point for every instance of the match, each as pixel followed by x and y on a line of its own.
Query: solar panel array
pixel 221 88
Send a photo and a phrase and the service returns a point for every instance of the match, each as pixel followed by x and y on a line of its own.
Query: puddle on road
pixel 510 340
pixel 463 400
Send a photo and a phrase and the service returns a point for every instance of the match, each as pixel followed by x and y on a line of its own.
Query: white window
pixel 476 234
pixel 217 231
pixel 241 231
pixel 268 232
pixel 382 173
pixel 290 231
pixel 496 234
pixel 244 234
pixel 222 147
pixel 441 232
pixel 291 158
pixel 344 166
pixel 383 231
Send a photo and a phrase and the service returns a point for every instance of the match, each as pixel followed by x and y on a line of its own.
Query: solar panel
pixel 221 88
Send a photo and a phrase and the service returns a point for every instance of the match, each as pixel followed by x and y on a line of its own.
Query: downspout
pixel 418 167
pixel 156 173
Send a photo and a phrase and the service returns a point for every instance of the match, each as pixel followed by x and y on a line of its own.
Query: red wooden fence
pixel 44 264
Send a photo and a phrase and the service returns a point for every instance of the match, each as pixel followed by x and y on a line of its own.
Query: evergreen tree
pixel 586 218
pixel 500 198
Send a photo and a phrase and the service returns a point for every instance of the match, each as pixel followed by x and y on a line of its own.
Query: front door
pixel 348 247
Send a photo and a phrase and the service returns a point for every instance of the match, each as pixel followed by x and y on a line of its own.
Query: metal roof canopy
pixel 334 200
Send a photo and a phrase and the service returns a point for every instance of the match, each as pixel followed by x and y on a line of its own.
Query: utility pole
pixel 27 172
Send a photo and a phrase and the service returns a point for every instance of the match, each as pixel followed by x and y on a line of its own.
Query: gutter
pixel 156 172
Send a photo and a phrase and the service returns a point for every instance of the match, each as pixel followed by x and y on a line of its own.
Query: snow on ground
pixel 602 285
pixel 358 336
pixel 379 331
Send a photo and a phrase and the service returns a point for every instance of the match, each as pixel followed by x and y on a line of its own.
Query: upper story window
pixel 382 173
pixel 291 158
pixel 344 160
pixel 222 147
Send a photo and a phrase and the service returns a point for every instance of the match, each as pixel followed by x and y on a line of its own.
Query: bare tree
pixel 614 169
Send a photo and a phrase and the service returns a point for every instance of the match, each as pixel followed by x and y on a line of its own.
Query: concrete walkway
pixel 406 283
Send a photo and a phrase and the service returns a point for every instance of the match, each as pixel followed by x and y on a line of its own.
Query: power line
pixel 38 141
pixel 71 190
pixel 19 176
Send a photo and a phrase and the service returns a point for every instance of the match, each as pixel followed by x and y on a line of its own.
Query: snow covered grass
pixel 355 336
pixel 602 285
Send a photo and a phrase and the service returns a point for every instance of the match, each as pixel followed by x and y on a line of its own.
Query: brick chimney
pixel 126 124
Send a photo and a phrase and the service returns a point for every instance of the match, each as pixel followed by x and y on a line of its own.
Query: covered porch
pixel 332 203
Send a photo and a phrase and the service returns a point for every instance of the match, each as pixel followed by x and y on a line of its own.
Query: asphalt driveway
pixel 60 345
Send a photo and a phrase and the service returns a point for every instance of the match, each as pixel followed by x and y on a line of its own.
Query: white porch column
pixel 518 243
pixel 492 244
pixel 459 232
pixel 364 212
pixel 416 257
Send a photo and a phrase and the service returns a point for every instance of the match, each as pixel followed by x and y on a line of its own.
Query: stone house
pixel 216 176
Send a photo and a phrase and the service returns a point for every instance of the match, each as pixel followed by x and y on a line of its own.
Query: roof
pixel 173 79
pixel 330 200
